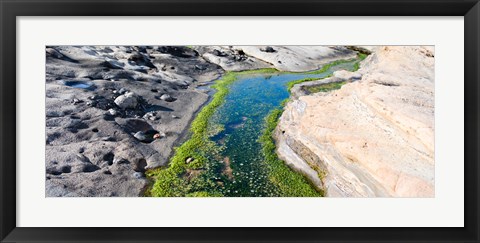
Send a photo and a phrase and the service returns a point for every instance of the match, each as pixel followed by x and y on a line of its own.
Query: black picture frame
pixel 10 9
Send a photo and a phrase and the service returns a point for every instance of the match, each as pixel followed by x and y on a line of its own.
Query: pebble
pixel 200 67
pixel 122 91
pixel 76 101
pixel 127 101
pixel 120 160
pixel 112 112
pixel 167 97
pixel 189 159
pixel 138 175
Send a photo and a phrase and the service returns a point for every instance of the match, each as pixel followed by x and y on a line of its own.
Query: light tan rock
pixel 373 137
pixel 298 58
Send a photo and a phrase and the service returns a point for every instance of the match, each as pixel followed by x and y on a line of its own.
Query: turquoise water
pixel 239 122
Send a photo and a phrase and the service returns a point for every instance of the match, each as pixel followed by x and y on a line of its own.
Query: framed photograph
pixel 199 121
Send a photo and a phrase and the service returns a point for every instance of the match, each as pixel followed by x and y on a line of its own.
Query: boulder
pixel 127 101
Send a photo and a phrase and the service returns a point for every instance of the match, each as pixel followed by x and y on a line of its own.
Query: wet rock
pixel 127 101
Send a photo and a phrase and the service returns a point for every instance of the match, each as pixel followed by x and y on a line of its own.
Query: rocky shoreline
pixel 113 112
pixel 374 137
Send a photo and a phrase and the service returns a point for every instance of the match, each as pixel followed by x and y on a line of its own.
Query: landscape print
pixel 240 121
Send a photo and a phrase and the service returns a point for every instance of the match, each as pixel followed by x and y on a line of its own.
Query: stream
pixel 238 123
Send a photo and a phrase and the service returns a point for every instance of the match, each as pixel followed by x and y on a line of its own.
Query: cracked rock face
pixel 374 137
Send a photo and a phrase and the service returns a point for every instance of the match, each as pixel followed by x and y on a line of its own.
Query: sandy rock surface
pixel 375 135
